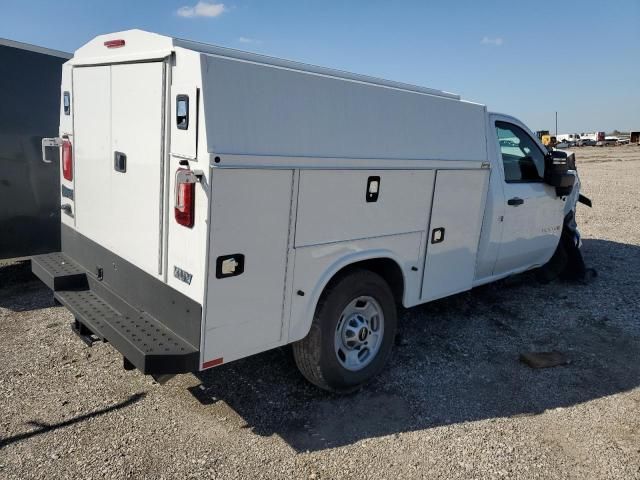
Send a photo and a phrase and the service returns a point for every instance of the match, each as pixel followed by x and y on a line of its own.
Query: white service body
pixel 286 156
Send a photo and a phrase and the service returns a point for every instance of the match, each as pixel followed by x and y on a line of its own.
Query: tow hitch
pixel 86 335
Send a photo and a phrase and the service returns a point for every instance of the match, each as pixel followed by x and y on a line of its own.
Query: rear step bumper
pixel 145 341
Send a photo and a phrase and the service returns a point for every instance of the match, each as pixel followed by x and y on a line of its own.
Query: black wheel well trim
pixel 386 267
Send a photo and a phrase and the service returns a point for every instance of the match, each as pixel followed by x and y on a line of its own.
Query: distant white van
pixel 568 137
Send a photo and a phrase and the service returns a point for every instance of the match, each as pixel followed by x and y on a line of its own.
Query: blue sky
pixel 527 59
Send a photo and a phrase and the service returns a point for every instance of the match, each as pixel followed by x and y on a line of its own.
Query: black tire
pixel 315 355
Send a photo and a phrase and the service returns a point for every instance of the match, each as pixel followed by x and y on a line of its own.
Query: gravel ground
pixel 454 402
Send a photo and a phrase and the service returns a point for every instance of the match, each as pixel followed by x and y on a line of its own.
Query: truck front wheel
pixel 351 334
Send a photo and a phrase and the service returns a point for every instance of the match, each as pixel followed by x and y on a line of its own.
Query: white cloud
pixel 495 41
pixel 249 40
pixel 202 9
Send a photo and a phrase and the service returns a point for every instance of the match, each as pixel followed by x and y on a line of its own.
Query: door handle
pixel 515 201
pixel 437 235
pixel 120 162
pixel 49 142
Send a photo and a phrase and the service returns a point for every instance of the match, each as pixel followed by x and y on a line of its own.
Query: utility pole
pixel 556 124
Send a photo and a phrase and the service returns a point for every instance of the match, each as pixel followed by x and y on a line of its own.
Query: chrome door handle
pixel 515 201
pixel 47 143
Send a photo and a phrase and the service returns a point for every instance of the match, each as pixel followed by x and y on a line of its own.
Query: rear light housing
pixel 185 197
pixel 114 43
pixel 67 160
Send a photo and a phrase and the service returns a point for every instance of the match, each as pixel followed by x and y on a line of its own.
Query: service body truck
pixel 226 203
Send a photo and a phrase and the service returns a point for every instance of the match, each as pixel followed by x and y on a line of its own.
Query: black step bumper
pixel 145 339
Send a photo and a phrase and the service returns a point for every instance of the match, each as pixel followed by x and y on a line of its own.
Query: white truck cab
pixel 218 203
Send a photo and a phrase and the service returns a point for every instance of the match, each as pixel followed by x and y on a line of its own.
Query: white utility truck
pixel 218 203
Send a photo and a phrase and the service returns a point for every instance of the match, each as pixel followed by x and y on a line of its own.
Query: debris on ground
pixel 544 359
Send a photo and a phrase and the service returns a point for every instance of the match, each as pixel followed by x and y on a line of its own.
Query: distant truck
pixel 634 137
pixel 29 188
pixel 224 203
pixel 541 133
pixel 595 136
pixel 568 137
pixel 549 141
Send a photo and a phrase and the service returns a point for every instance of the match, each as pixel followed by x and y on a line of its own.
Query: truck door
pixel 118 159
pixel 533 213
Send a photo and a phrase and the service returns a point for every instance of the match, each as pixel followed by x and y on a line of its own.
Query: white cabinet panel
pixel 136 110
pixel 250 214
pixel 452 239
pixel 333 206
pixel 118 108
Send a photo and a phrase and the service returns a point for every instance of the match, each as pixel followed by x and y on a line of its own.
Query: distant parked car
pixel 607 141
pixel 586 142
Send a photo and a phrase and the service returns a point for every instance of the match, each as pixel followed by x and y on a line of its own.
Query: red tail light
pixel 67 160
pixel 185 197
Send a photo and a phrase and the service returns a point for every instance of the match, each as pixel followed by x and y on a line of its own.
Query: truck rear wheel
pixel 351 334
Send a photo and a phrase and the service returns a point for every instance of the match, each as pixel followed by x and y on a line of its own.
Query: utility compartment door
pixel 334 205
pixel 454 231
pixel 91 151
pixel 118 121
pixel 248 244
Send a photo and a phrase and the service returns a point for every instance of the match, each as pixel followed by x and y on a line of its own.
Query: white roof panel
pixel 145 45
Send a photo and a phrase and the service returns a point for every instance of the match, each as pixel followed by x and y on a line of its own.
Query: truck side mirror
pixel 556 172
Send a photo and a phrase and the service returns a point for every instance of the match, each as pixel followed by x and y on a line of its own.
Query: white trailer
pixel 595 136
pixel 568 137
pixel 226 203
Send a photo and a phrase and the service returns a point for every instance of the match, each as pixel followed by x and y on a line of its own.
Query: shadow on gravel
pixel 46 427
pixel 21 290
pixel 457 361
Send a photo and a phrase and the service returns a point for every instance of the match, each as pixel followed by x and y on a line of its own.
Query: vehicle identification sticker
pixel 553 229
pixel 182 275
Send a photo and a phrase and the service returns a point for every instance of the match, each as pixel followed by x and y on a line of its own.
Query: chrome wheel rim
pixel 358 334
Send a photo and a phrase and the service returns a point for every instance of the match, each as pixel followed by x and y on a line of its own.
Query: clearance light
pixel 114 43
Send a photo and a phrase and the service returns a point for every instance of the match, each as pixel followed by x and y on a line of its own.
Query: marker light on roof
pixel 114 43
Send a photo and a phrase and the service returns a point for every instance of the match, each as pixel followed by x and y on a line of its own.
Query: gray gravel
pixel 455 402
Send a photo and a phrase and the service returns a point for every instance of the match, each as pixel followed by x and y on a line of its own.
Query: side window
pixel 519 154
